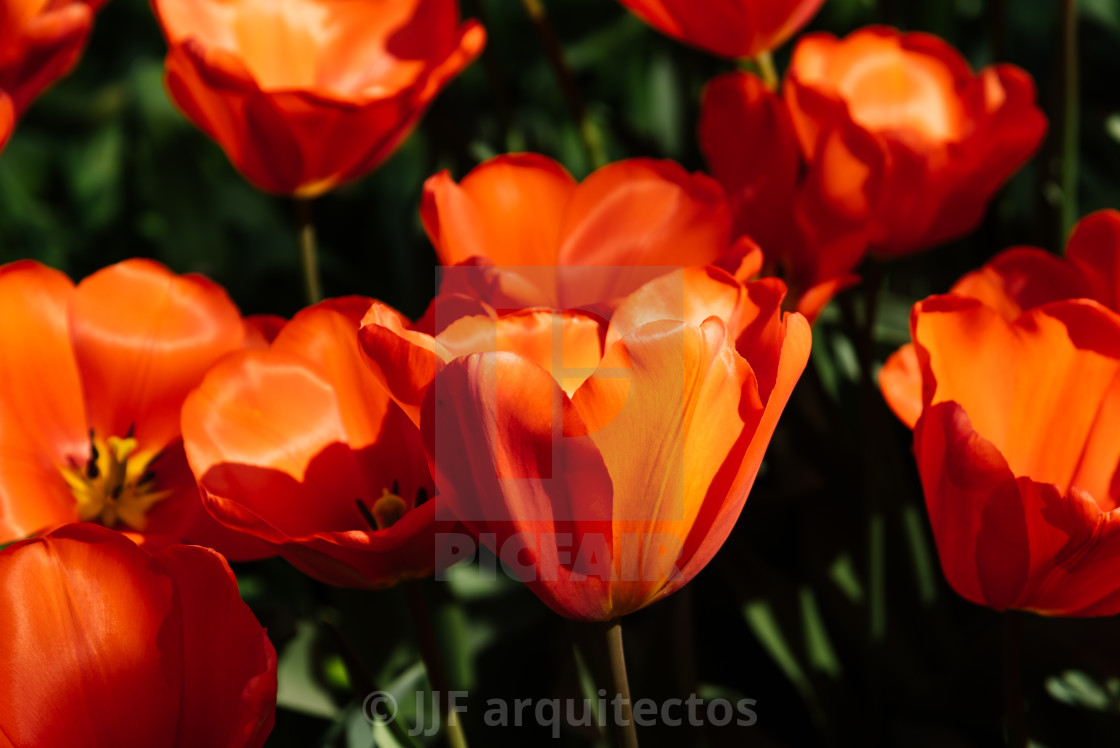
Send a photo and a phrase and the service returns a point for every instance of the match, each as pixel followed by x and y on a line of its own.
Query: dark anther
pixel 367 515
pixel 421 495
pixel 92 471
pixel 149 476
pixel 131 430
pixel 396 489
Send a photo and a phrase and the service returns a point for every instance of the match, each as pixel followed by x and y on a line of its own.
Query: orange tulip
pixel 1012 386
pixel 105 645
pixel 905 145
pixel 306 95
pixel 91 384
pixel 1018 280
pixel 604 463
pixel 558 243
pixel 40 41
pixel 729 28
pixel 751 148
pixel 291 443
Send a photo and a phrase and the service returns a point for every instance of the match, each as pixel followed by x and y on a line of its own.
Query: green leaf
pixel 297 687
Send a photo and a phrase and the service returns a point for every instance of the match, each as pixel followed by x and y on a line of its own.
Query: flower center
pixel 117 484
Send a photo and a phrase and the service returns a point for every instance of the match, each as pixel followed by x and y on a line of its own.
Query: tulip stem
pixel 1012 683
pixel 433 663
pixel 765 63
pixel 1070 118
pixel 622 715
pixel 308 252
pixel 563 72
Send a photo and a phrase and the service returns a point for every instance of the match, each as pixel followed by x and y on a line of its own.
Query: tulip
pixel 105 645
pixel 729 28
pixel 306 95
pixel 905 145
pixel 1012 387
pixel 1015 281
pixel 604 463
pixel 751 148
pixel 558 243
pixel 91 384
pixel 39 43
pixel 298 447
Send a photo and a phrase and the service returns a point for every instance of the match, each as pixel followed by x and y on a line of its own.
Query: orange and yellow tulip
pixel 306 95
pixel 91 384
pixel 105 645
pixel 905 144
pixel 729 28
pixel 604 463
pixel 1012 387
pixel 292 443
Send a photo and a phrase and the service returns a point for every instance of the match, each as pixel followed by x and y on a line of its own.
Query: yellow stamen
pixel 388 509
pixel 116 487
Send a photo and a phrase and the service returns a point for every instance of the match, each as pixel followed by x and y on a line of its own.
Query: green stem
pixel 623 719
pixel 308 252
pixel 1012 683
pixel 1070 118
pixel 766 69
pixel 433 663
pixel 560 68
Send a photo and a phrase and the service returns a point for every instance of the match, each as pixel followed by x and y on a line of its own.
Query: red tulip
pixel 604 463
pixel 1012 385
pixel 288 441
pixel 306 95
pixel 905 145
pixel 729 28
pixel 104 645
pixel 558 243
pixel 1018 280
pixel 39 43
pixel 91 384
pixel 751 148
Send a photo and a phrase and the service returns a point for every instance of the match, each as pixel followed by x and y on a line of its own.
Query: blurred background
pixel 103 168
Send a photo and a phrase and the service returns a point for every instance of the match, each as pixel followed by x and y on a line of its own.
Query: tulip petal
pixel 404 361
pixel 900 379
pixel 143 337
pixel 1094 249
pixel 84 626
pixel 645 212
pixel 48 46
pixel 229 685
pixel 665 432
pixel 1022 278
pixel 508 209
pixel 751 149
pixel 513 463
pixel 42 423
pixel 979 523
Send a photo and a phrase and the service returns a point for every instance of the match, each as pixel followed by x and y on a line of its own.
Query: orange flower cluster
pixel 592 392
